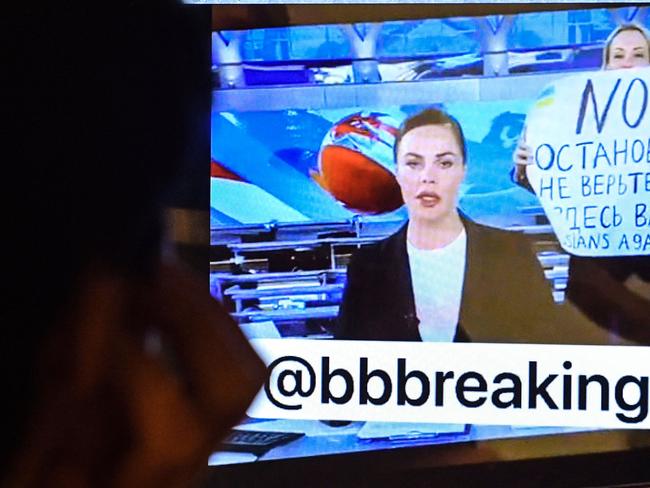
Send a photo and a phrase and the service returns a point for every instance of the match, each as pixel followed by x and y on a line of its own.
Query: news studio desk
pixel 289 295
pixel 321 439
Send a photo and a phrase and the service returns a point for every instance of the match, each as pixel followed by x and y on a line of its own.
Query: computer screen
pixel 453 179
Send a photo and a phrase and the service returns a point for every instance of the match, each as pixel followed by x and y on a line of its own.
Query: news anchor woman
pixel 613 291
pixel 443 277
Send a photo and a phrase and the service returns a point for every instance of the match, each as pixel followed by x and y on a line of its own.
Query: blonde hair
pixel 617 31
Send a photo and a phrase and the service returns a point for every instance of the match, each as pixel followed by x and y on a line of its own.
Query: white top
pixel 437 277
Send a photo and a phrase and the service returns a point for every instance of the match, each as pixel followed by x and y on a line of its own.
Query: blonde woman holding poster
pixel 613 291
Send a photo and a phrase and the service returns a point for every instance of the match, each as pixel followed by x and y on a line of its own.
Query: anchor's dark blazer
pixel 505 296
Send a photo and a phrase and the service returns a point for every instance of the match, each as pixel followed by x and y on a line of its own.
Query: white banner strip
pixel 493 384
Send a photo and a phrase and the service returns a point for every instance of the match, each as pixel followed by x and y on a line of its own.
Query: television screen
pixel 460 179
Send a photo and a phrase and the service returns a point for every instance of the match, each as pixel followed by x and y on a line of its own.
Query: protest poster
pixel 590 139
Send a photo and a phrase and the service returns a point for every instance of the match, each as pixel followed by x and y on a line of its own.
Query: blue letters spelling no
pixel 588 93
pixel 589 90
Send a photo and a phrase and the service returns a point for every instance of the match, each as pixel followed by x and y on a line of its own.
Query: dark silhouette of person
pixel 118 367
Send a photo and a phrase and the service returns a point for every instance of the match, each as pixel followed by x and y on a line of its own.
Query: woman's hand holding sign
pixel 522 157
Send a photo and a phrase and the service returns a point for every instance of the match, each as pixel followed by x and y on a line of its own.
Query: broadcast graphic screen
pixel 404 209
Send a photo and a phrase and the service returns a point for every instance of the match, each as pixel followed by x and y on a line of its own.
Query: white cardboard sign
pixel 590 139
